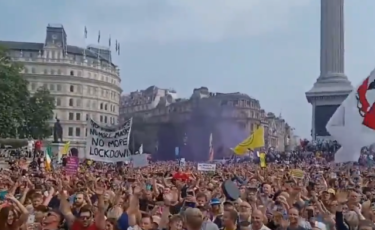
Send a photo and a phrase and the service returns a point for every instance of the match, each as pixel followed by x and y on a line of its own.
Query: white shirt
pixel 30 145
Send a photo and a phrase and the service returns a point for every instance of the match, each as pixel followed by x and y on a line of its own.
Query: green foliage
pixel 22 115
pixel 37 114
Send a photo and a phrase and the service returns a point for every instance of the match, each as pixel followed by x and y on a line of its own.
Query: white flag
pixel 353 123
pixel 140 150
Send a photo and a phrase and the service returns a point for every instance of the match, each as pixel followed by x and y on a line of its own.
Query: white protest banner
pixel 138 161
pixel 206 167
pixel 108 144
pixel 182 163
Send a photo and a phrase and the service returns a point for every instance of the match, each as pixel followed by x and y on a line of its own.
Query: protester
pixel 298 190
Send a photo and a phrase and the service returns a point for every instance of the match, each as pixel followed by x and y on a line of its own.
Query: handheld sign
pixel 108 145
pixel 297 173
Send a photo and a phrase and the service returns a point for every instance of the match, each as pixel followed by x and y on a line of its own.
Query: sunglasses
pixel 84 217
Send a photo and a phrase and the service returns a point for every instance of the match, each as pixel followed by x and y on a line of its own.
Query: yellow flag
pixel 262 160
pixel 255 140
pixel 66 148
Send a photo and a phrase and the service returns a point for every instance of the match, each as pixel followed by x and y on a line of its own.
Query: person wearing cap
pixel 156 222
pixel 216 213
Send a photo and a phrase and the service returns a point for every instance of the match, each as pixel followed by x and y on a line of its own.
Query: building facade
pixel 84 81
pixel 332 85
pixel 170 126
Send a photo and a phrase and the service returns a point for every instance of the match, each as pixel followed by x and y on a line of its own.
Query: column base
pixel 324 104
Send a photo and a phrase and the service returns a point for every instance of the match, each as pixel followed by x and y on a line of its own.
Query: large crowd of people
pixel 299 190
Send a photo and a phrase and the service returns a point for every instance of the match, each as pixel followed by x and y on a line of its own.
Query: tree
pixel 22 115
pixel 14 96
pixel 38 113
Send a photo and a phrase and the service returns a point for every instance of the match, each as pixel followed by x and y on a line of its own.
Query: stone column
pixel 332 38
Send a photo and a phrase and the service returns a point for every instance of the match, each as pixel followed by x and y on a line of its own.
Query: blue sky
pixel 268 49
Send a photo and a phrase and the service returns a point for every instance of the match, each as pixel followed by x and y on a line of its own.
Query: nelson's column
pixel 332 86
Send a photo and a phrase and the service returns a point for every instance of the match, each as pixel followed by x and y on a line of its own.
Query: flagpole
pixel 85 44
pixel 109 44
pixel 99 48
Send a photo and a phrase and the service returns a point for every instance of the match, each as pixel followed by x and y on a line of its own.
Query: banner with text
pixel 108 144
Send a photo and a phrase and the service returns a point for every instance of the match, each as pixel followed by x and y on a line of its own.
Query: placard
pixel 206 167
pixel 72 164
pixel 106 144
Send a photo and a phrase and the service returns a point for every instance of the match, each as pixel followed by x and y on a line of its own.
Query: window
pixel 114 109
pixel 26 70
pixel 59 71
pixel 72 88
pixel 58 102
pixel 78 116
pixel 105 119
pixel 52 87
pixel 52 71
pixel 101 118
pixel 71 102
pixel 101 105
pixel 71 116
pixel 78 102
pixel 59 88
pixel 45 71
pixel 45 86
pixel 33 86
pixel 33 70
pixel 78 132
pixel 71 73
pixel 70 131
pixel 79 73
pixel 79 88
pixel 88 103
pixel 86 132
pixel 105 107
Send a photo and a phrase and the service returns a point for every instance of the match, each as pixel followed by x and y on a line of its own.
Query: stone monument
pixel 332 86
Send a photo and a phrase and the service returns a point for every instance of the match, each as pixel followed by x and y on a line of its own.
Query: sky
pixel 268 49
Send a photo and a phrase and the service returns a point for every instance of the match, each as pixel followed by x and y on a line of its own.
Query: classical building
pixel 168 125
pixel 332 85
pixel 84 81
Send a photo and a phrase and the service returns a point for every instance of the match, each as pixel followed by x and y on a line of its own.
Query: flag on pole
pixel 116 45
pixel 99 37
pixel 85 32
pixel 48 157
pixel 109 41
pixel 211 150
pixel 140 150
pixel 255 140
pixel 353 123
pixel 118 48
pixel 66 148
